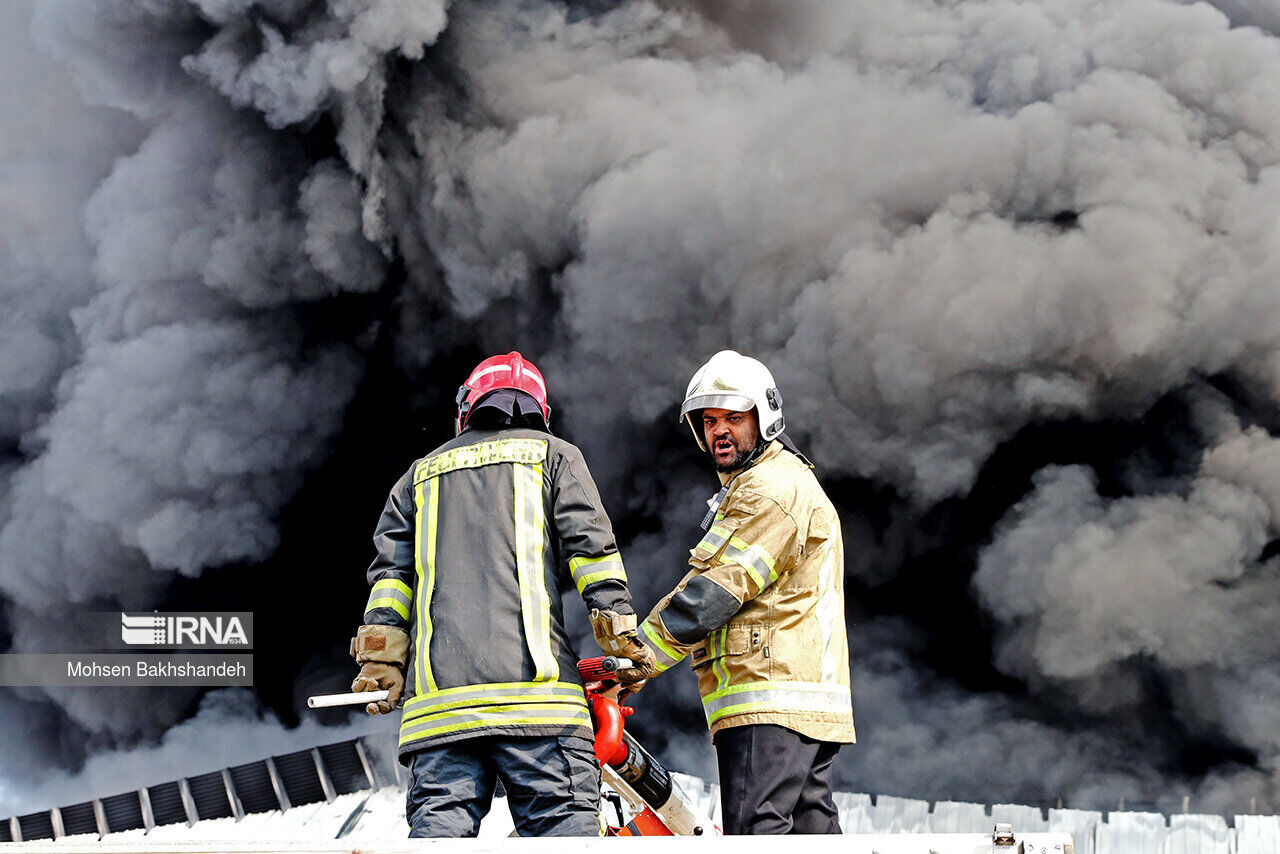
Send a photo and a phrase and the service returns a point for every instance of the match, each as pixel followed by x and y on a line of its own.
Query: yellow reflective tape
pixel 428 498
pixel 393 584
pixel 823 698
pixel 571 689
pixel 574 690
pixel 778 689
pixel 395 604
pixel 717 665
pixel 544 596
pixel 756 561
pixel 527 451
pixel 754 550
pixel 458 727
pixel 751 571
pixel 535 602
pixel 786 700
pixel 495 700
pixel 666 656
pixel 433 520
pixel 528 710
pixel 578 562
pixel 741 709
pixel 420 641
pixel 525 713
pixel 589 570
pixel 607 574
pixel 714 539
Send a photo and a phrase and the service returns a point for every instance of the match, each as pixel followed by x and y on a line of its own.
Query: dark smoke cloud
pixel 1013 265
pixel 177 397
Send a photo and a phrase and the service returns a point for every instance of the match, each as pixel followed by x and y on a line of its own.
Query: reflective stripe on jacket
pixel 761 612
pixel 475 544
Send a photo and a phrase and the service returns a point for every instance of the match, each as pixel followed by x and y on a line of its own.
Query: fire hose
pixel 660 807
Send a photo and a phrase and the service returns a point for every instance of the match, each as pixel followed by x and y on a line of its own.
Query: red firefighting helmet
pixel 499 372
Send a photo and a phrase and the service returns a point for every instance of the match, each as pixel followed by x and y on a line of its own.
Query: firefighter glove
pixel 616 633
pixel 375 676
pixel 381 651
pixel 384 644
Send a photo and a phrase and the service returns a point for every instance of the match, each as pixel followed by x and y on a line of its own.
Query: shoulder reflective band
pixel 494 694
pixel 525 714
pixel 756 561
pixel 389 593
pixel 535 603
pixel 589 570
pixel 665 656
pixel 777 697
pixel 424 558
pixel 529 451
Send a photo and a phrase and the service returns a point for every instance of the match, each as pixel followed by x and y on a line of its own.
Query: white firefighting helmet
pixel 730 380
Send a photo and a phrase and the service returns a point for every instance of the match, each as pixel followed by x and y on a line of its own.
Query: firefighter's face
pixel 731 436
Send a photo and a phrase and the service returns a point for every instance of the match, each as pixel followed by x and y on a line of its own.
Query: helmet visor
pixel 735 402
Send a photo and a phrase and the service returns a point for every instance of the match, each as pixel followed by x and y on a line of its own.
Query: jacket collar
pixel 771 450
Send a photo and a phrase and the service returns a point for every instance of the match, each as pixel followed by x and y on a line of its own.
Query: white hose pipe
pixel 359 698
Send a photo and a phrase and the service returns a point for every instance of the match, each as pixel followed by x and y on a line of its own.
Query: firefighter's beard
pixel 740 459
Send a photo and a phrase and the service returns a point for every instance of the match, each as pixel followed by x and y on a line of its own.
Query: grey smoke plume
pixel 1085 588
pixel 943 227
pixel 178 399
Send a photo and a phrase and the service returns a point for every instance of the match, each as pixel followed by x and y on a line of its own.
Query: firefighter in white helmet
pixel 761 611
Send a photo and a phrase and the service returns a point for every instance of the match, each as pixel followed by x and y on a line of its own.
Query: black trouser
pixel 774 781
pixel 552 783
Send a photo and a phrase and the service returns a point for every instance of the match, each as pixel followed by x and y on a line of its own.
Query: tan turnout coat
pixel 767 581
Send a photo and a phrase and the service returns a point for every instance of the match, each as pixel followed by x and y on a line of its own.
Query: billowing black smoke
pixel 1014 266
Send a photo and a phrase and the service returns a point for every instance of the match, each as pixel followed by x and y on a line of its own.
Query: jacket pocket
pixel 744 639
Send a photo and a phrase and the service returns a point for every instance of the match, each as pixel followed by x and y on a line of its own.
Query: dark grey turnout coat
pixel 474 545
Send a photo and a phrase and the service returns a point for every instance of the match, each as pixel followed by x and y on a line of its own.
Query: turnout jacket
pixel 474 546
pixel 761 612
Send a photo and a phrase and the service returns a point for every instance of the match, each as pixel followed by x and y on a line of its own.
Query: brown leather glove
pixel 616 633
pixel 381 651
pixel 375 676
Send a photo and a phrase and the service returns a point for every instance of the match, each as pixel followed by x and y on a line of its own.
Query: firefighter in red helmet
pixel 465 621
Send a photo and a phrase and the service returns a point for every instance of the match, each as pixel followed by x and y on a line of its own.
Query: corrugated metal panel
pixel 346 771
pixel 1258 834
pixel 1122 833
pixel 253 785
pixel 382 756
pixel 900 815
pixel 1081 824
pixel 36 825
pixel 1023 818
pixel 1197 834
pixel 124 812
pixel 301 782
pixel 79 818
pixel 210 795
pixel 961 817
pixel 166 804
pixel 1132 833
pixel 855 811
